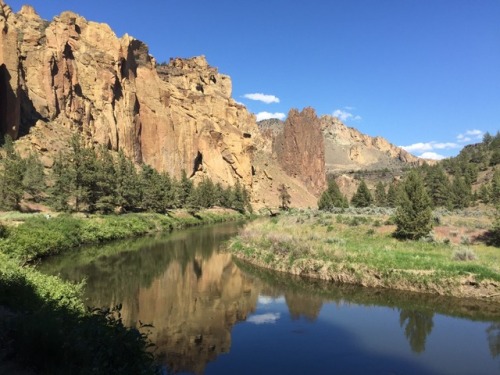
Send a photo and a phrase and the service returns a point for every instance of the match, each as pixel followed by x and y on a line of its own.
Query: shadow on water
pixel 194 295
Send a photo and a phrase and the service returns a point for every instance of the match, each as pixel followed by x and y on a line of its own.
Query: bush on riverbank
pixel 327 246
pixel 45 326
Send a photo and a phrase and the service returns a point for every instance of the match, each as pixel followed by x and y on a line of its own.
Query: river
pixel 211 315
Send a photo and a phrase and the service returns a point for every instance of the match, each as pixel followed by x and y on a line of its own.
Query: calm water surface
pixel 214 316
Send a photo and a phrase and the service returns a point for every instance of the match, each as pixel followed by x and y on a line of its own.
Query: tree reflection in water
pixel 417 326
pixel 493 332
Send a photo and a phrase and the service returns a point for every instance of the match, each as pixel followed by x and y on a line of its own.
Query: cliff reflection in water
pixel 192 294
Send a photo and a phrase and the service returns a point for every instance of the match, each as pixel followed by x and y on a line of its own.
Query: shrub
pixel 464 254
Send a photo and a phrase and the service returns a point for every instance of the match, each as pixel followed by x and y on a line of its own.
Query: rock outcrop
pixel 10 101
pixel 300 149
pixel 347 149
pixel 77 74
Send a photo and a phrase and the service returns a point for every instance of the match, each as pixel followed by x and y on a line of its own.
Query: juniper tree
pixel 127 189
pixel 413 215
pixel 380 195
pixel 34 177
pixel 61 188
pixel 12 168
pixel 438 186
pixel 105 194
pixel 362 197
pixel 392 195
pixel 332 197
pixel 461 192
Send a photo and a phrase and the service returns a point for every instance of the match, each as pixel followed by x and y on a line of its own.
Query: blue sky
pixel 421 73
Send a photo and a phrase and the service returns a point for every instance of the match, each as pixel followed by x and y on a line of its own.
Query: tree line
pixel 93 179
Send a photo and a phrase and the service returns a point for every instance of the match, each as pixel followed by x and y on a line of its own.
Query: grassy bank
pixel 360 250
pixel 30 237
pixel 44 325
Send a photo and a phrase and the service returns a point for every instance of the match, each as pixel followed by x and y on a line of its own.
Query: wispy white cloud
pixel 470 135
pixel 431 155
pixel 344 114
pixel 268 99
pixel 429 146
pixel 267 115
pixel 268 318
pixel 265 300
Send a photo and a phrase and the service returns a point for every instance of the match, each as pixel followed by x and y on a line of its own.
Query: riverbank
pixel 28 237
pixel 44 325
pixel 359 250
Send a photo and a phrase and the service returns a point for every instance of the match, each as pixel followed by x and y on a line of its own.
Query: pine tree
pixel 105 195
pixel 60 191
pixel 152 190
pixel 12 168
pixel 461 193
pixel 284 197
pixel 332 197
pixel 362 197
pixel 34 177
pixel 484 194
pixel 238 198
pixel 392 195
pixel 184 189
pixel 438 186
pixel 380 195
pixel 128 195
pixel 413 214
pixel 83 166
pixel 495 188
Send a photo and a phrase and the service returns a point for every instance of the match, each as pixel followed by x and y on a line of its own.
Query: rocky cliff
pixel 347 149
pixel 74 74
pixel 299 147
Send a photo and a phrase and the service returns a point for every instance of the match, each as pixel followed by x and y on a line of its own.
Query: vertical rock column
pixel 10 104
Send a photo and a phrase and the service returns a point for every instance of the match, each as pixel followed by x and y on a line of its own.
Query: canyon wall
pixel 74 74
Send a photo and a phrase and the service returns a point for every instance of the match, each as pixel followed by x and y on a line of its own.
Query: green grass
pixel 37 237
pixel 351 249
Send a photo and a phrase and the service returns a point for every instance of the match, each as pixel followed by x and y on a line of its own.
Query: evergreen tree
pixel 284 197
pixel 206 193
pixel 184 189
pixel 105 195
pixel 83 167
pixel 495 188
pixel 484 194
pixel 128 195
pixel 332 197
pixel 392 195
pixel 495 158
pixel 152 190
pixel 380 195
pixel 362 197
pixel 461 193
pixel 34 177
pixel 168 188
pixel 413 214
pixel 60 191
pixel 438 186
pixel 12 168
pixel 238 198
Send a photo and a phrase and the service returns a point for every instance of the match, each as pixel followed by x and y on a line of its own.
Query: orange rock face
pixel 300 149
pixel 77 74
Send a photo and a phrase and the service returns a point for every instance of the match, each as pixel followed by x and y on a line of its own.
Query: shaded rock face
pixel 299 148
pixel 10 102
pixel 77 74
